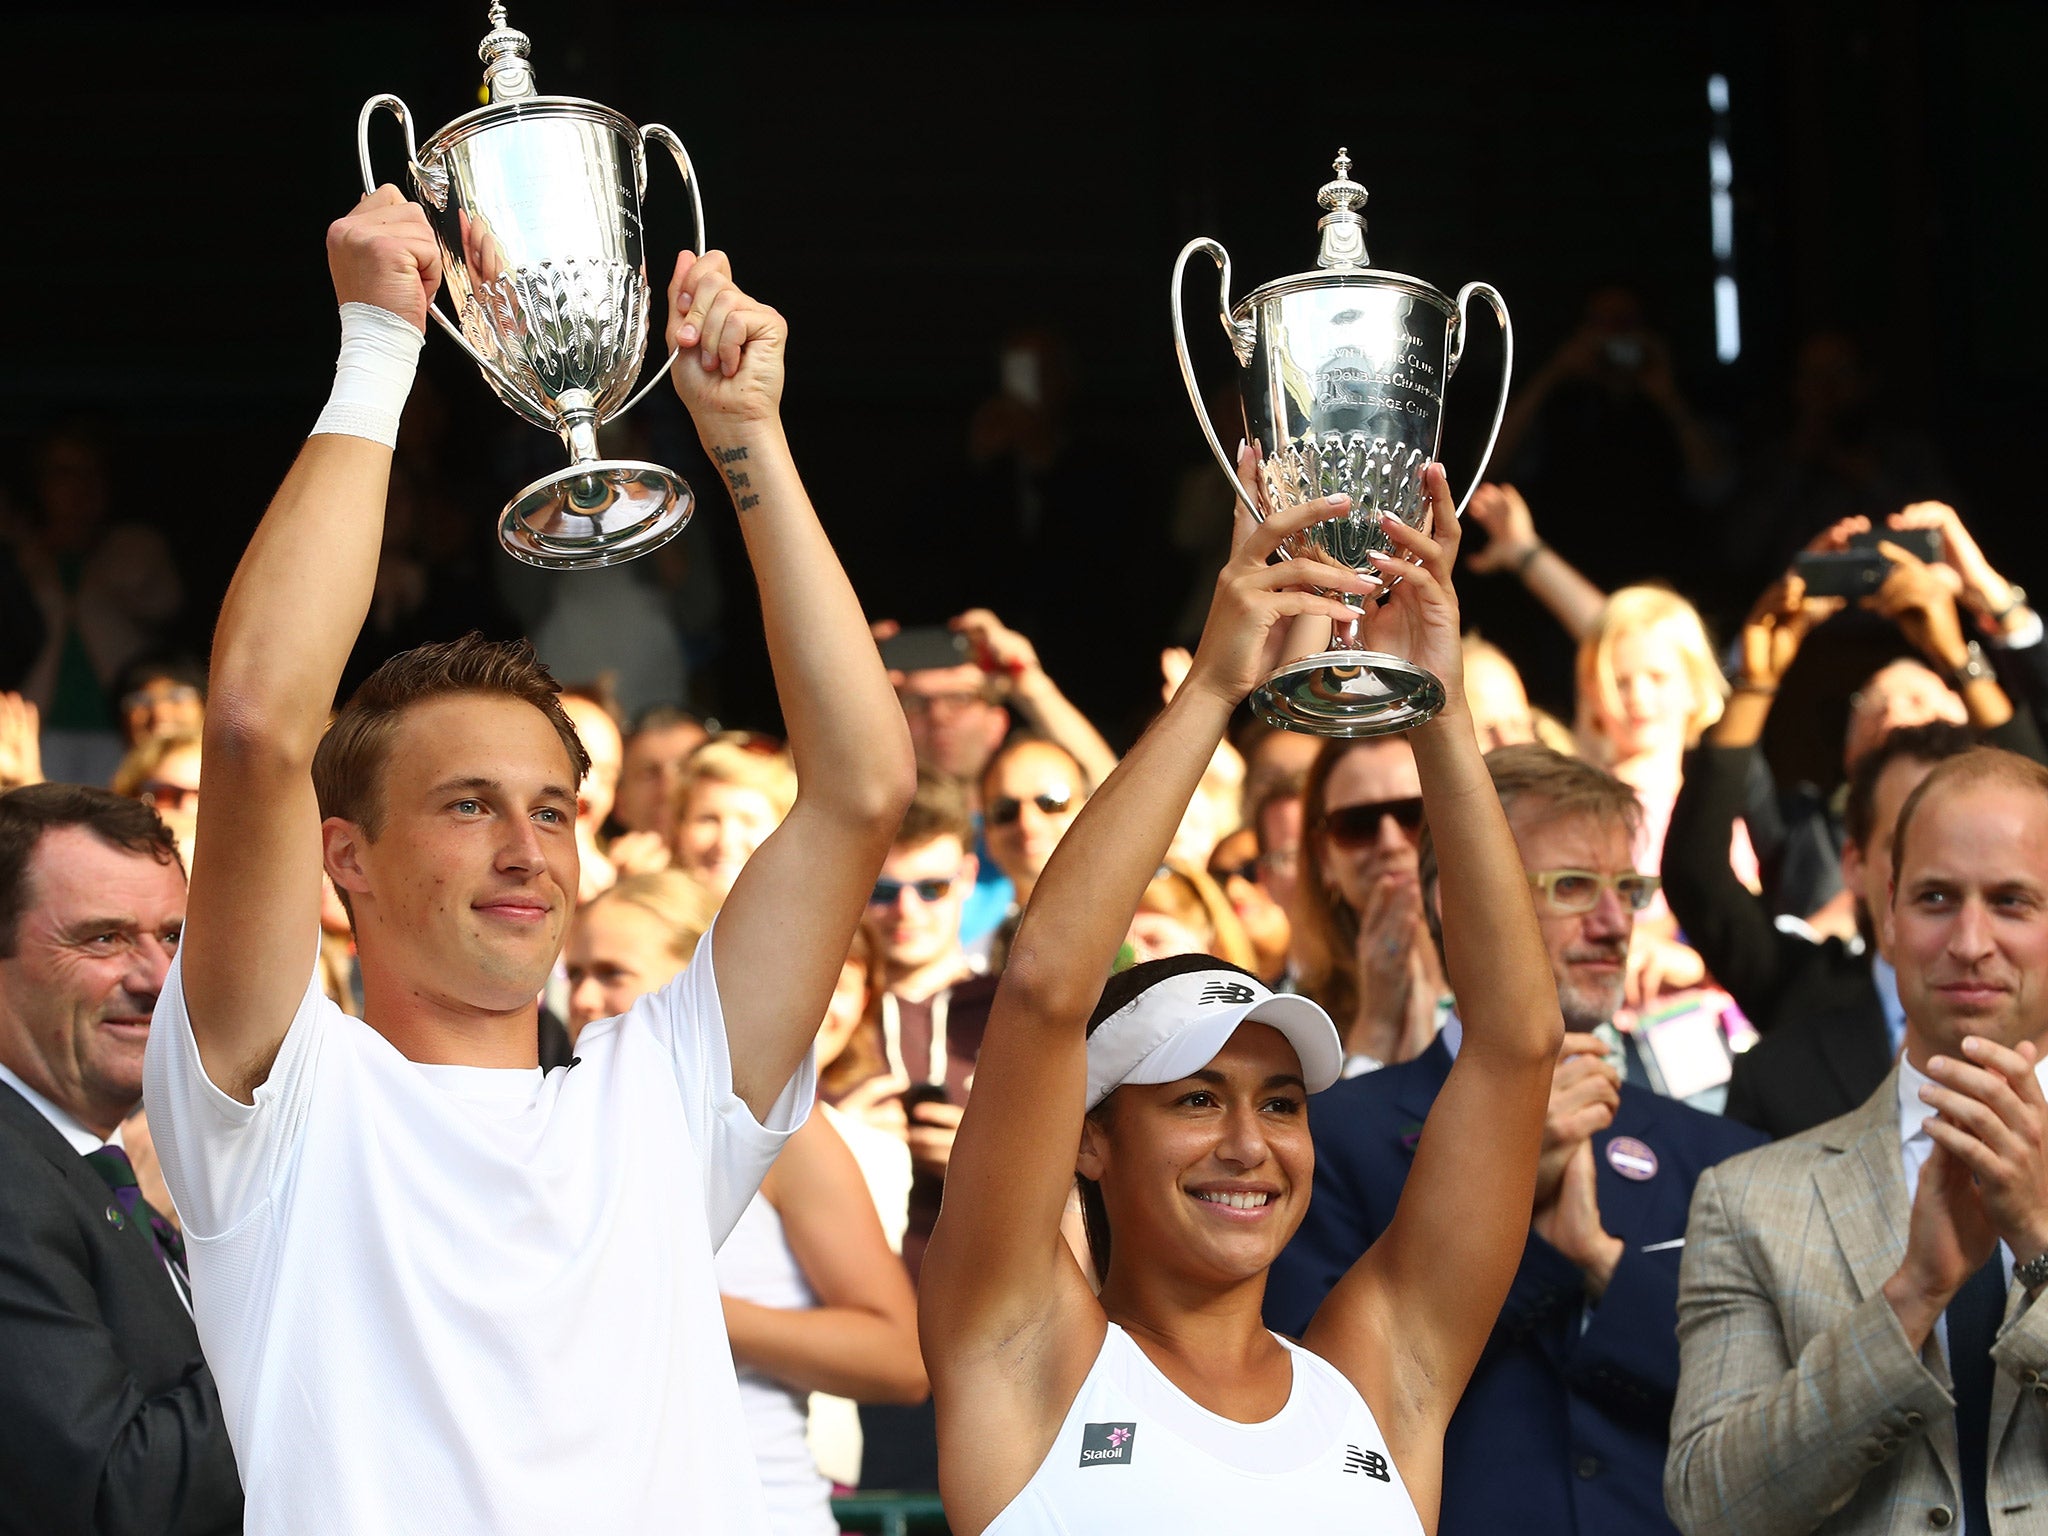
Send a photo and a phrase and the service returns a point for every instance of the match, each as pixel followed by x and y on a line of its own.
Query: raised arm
pixel 291 615
pixel 785 928
pixel 1034 694
pixel 1004 1313
pixel 1408 1321
pixel 1512 546
pixel 860 1340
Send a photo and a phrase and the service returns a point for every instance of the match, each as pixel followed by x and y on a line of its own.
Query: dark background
pixel 909 184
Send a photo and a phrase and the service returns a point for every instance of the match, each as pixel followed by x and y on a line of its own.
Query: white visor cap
pixel 1178 1025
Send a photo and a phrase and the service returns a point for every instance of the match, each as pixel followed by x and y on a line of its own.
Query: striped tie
pixel 111 1164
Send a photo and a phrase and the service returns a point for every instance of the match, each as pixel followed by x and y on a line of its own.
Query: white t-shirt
pixel 463 1299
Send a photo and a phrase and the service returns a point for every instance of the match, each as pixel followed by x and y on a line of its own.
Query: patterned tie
pixel 1974 1314
pixel 111 1163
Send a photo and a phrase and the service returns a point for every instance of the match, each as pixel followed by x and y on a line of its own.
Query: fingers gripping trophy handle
pixel 1507 369
pixel 658 133
pixel 1221 257
pixel 397 109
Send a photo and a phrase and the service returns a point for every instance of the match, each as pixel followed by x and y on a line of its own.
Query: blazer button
pixel 2030 1377
pixel 1915 1418
pixel 1941 1517
pixel 1589 1466
pixel 115 1217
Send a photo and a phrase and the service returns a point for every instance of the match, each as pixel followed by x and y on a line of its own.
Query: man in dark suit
pixel 1562 1429
pixel 1828 1010
pixel 111 1421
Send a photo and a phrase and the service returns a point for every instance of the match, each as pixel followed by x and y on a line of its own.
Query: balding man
pixel 109 1420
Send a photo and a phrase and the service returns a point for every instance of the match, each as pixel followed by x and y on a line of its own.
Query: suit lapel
pixel 2005 1392
pixel 1863 1190
pixel 131 1239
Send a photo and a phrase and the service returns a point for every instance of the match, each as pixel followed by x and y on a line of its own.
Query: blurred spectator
pixel 1030 694
pixel 612 620
pixel 160 694
pixel 1273 756
pixel 163 773
pixel 1857 1330
pixel 1359 944
pixel 21 748
pixel 651 771
pixel 1501 711
pixel 1235 868
pixel 860 1095
pixel 1583 1362
pixel 1846 452
pixel 814 1301
pixel 107 591
pixel 1603 427
pixel 629 939
pixel 1275 816
pixel 1217 807
pixel 1184 912
pixel 1648 685
pixel 1031 792
pixel 736 790
pixel 113 1421
pixel 432 580
pixel 598 727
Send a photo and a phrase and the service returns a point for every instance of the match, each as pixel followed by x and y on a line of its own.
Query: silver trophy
pixel 535 203
pixel 1342 379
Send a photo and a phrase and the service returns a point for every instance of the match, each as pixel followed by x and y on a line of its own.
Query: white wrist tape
pixel 380 352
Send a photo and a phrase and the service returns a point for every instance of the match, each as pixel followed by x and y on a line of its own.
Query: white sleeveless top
pixel 755 1264
pixel 1137 1454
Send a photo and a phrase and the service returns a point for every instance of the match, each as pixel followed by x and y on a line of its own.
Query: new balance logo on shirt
pixel 1234 992
pixel 1107 1445
pixel 1371 1463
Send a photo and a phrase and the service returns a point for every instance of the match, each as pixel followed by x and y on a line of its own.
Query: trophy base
pixel 1348 693
pixel 595 514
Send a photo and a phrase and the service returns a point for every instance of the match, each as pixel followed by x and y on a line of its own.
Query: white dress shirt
pixel 67 1125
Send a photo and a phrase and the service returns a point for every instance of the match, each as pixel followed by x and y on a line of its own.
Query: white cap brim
pixel 1176 1027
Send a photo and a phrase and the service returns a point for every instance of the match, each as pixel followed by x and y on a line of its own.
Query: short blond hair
pixel 683 904
pixel 1634 610
pixel 739 761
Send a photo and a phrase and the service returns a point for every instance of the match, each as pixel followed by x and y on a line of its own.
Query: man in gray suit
pixel 1858 1342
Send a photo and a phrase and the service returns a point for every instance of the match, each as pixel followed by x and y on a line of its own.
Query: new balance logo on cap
pixel 1107 1445
pixel 1233 992
pixel 1371 1463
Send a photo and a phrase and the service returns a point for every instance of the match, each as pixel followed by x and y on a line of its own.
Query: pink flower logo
pixel 1118 1436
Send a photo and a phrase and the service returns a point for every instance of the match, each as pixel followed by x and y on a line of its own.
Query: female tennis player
pixel 1178 1096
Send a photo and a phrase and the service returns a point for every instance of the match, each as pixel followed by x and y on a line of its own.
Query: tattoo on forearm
pixel 737 479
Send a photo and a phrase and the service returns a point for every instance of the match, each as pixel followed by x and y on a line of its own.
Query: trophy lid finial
pixel 1343 226
pixel 507 74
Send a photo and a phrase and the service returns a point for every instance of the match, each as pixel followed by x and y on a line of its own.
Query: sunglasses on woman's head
pixel 1352 826
pixel 1007 810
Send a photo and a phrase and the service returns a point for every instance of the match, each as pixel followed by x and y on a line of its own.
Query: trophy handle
pixel 1507 368
pixel 659 133
pixel 1221 257
pixel 397 109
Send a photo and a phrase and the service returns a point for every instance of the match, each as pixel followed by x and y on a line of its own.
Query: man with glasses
pixel 1580 1373
pixel 1031 792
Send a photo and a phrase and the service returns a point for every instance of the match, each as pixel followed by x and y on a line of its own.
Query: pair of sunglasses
pixel 888 892
pixel 1578 890
pixel 1006 810
pixel 1353 826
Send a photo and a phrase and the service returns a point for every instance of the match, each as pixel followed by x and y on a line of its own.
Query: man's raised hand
pixel 731 368
pixel 382 253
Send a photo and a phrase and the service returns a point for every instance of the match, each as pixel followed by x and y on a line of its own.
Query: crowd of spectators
pixel 1714 930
